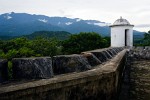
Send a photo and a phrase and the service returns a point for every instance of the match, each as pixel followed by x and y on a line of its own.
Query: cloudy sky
pixel 137 12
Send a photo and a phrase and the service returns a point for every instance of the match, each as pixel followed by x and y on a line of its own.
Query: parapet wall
pixel 92 75
pixel 3 70
pixel 140 53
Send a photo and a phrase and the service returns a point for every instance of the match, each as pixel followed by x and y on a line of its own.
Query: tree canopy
pixel 82 42
pixel 40 46
pixel 146 40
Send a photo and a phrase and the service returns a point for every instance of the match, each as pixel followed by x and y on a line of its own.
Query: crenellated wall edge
pixel 99 83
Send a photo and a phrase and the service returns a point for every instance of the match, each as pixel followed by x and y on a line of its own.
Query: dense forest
pixel 50 45
pixel 143 41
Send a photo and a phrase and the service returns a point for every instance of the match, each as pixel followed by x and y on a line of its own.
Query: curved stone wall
pixel 92 75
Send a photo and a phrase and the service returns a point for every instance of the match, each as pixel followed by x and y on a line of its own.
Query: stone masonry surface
pixel 136 80
pixel 140 80
pixel 99 83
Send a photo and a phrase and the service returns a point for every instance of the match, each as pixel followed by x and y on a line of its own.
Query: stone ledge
pixel 32 68
pixel 3 70
pixel 101 73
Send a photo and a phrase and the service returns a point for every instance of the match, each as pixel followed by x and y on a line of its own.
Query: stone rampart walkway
pixel 136 81
pixel 140 80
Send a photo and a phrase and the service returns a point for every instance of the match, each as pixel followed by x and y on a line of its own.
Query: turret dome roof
pixel 121 21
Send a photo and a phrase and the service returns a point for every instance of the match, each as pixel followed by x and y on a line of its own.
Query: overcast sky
pixel 137 12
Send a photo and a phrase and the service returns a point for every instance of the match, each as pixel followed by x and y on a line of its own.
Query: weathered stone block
pixel 140 53
pixel 116 49
pixel 101 56
pixel 3 70
pixel 110 52
pixel 70 63
pixel 32 68
pixel 113 51
pixel 107 54
pixel 92 59
pixel 144 54
pixel 147 47
pixel 139 48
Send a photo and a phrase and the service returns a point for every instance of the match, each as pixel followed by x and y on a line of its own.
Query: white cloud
pixel 143 25
pixel 78 19
pixel 99 24
pixel 7 17
pixel 59 23
pixel 68 23
pixel 43 20
pixel 136 11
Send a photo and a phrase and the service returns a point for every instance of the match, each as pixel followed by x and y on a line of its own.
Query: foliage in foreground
pixel 23 47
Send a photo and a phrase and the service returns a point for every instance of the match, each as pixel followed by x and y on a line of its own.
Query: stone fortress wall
pixel 90 75
pixel 136 80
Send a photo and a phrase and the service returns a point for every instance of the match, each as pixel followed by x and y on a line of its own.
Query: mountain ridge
pixel 60 35
pixel 17 24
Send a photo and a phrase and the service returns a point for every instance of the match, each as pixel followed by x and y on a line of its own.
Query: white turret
pixel 121 33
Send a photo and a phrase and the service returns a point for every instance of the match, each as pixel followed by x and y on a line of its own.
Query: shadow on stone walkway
pixel 136 80
pixel 140 80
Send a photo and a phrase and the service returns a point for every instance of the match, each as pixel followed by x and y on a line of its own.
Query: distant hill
pixel 7 37
pixel 60 35
pixel 18 24
pixel 138 35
